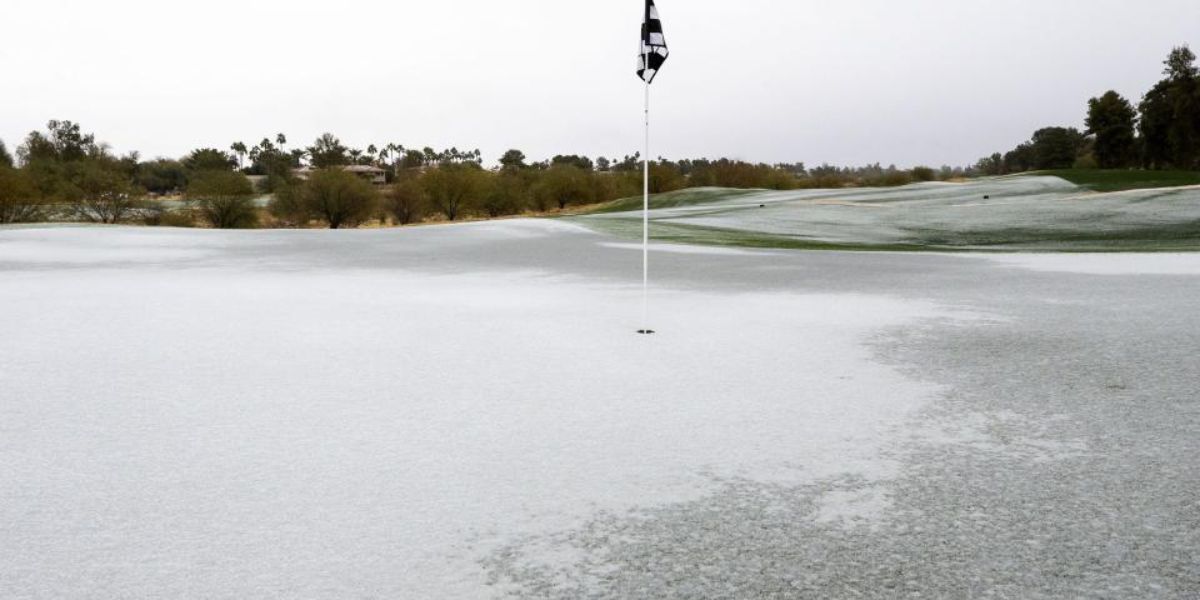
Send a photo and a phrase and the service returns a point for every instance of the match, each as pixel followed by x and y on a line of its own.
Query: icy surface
pixel 465 412
pixel 1107 264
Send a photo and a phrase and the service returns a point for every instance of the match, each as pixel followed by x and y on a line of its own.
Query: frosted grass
pixel 1013 213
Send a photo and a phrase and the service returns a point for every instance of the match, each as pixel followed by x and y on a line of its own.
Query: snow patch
pixel 1105 263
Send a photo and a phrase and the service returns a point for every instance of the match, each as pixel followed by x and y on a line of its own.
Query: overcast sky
pixel 853 82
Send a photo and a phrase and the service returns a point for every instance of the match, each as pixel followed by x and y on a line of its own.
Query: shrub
pixel 19 202
pixel 224 199
pixel 406 200
pixel 453 188
pixel 157 215
pixel 337 197
pixel 924 174
pixel 506 195
pixel 566 184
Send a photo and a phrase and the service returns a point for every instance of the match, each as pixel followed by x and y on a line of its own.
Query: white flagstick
pixel 646 202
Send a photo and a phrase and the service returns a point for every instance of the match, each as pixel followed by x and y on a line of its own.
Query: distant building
pixel 369 173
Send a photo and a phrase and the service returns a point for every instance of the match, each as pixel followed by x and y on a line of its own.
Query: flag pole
pixel 646 204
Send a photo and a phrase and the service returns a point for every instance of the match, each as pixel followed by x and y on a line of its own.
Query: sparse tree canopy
pixel 412 159
pixel 64 142
pixel 565 184
pixel 406 200
pixel 101 192
pixel 1111 118
pixel 923 174
pixel 513 159
pixel 209 159
pixel 339 198
pixel 665 177
pixel 225 199
pixel 328 151
pixel 19 202
pixel 452 188
pixel 582 162
pixel 507 193
pixel 162 176
pixel 1181 64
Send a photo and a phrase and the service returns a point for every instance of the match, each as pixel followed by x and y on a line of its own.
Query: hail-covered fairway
pixel 1008 213
pixel 465 412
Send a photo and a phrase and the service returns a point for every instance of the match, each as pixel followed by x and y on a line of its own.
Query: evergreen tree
pixel 1154 127
pixel 1056 147
pixel 1170 115
pixel 1111 118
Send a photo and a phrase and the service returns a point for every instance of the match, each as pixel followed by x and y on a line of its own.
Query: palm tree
pixel 239 149
pixel 397 152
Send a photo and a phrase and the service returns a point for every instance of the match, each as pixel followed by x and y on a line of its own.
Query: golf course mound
pixel 1039 212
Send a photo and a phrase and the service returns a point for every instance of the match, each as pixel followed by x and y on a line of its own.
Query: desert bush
pixel 338 198
pixel 565 184
pixel 224 199
pixel 923 174
pixel 100 192
pixel 453 189
pixel 19 200
pixel 406 200
pixel 777 179
pixel 506 194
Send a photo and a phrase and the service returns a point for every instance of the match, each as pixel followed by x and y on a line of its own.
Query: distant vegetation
pixel 64 174
pixel 1161 133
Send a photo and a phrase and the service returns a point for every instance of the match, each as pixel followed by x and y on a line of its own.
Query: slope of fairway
pixel 1009 213
pixel 1112 180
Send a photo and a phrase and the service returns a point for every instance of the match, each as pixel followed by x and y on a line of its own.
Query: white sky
pixel 916 82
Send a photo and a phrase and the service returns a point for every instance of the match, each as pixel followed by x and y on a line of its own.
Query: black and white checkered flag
pixel 654 45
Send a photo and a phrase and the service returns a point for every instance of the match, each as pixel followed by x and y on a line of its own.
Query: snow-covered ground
pixel 466 412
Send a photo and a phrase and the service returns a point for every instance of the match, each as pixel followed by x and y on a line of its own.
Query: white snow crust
pixel 271 414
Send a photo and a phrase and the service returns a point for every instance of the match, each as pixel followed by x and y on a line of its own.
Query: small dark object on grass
pixel 762 205
pixel 987 197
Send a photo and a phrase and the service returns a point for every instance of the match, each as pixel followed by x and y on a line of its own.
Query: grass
pixel 1168 238
pixel 1102 180
pixel 1153 221
pixel 680 233
pixel 688 197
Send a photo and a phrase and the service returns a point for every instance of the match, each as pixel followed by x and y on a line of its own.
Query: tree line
pixel 1161 132
pixel 63 173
